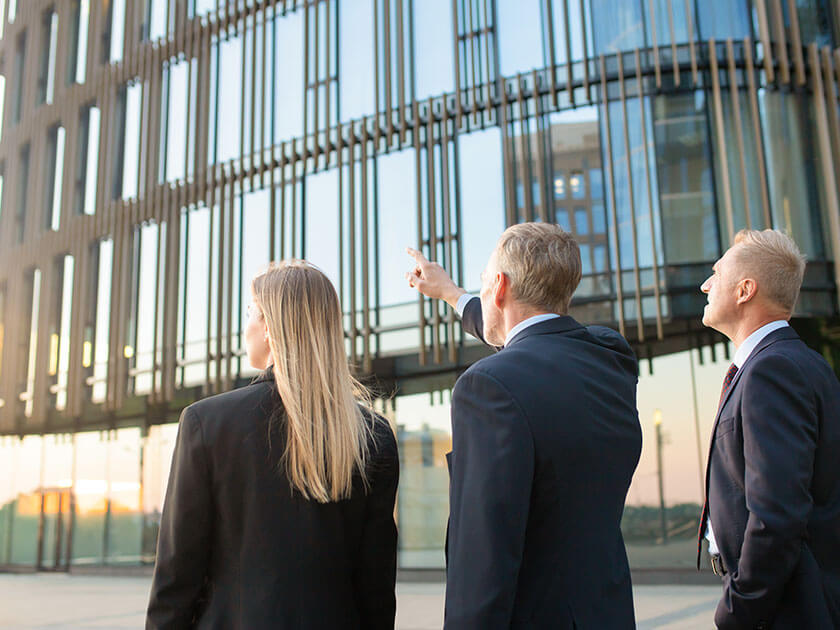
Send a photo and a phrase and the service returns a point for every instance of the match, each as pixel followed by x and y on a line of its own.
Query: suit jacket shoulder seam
pixel 512 397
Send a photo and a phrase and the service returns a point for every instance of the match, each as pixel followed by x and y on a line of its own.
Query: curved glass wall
pixel 343 132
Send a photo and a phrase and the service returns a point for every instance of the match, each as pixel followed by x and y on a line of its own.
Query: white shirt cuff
pixel 462 303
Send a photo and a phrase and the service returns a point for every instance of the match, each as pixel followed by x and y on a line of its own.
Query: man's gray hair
pixel 542 262
pixel 774 260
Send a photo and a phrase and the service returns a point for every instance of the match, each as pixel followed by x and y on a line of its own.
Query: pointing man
pixel 545 440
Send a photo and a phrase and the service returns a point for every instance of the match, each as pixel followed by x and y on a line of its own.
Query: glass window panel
pixel 117 30
pixel 197 288
pixel 356 88
pixel 54 177
pixel 396 200
pixel 814 21
pixel 576 31
pixel 288 76
pixel 8 470
pixel 202 6
pixel 520 36
pixel 176 103
pixel 666 13
pixel 638 210
pixel 131 145
pixel 228 95
pixel 88 161
pixel 27 509
pixel 56 485
pixel 480 178
pixel 321 222
pixel 2 100
pixel 17 83
pixel 102 322
pixel 256 232
pixel 586 259
pixel 599 258
pixel 77 55
pixel 581 221
pixel 722 19
pixel 577 185
pixel 617 26
pixel 562 219
pixel 22 192
pixel 145 343
pixel 157 10
pixel 433 64
pixel 424 437
pixel 124 518
pixel 157 457
pixel 63 356
pixel 599 218
pixel 559 184
pixel 683 158
pixel 49 37
pixel 792 169
pixel 90 485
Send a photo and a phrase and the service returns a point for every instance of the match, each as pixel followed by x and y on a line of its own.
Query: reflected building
pixel 155 155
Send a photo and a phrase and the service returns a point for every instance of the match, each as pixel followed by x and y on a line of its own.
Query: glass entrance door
pixel 54 530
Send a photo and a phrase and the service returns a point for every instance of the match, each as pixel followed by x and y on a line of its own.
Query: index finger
pixel 417 255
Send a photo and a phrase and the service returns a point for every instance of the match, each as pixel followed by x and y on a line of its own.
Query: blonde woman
pixel 279 511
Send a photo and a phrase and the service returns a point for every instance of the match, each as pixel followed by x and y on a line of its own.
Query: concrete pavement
pixel 94 602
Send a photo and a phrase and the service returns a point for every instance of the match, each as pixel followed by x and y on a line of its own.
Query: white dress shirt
pixel 536 319
pixel 741 355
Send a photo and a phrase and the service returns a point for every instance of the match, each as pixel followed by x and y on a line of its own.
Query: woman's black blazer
pixel 239 549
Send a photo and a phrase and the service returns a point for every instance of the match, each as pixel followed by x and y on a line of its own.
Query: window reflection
pixel 226 93
pixel 432 49
pixel 197 263
pixel 26 507
pixel 77 53
pixel 356 87
pixel 722 19
pixel 49 41
pixel 617 26
pixel 286 37
pixel 87 160
pixel 684 173
pixel 424 437
pixel 54 177
pixel 117 32
pixel 520 35
pixel 177 101
pixel 482 214
pixel 792 168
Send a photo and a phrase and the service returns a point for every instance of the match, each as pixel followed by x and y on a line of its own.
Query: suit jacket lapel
pixel 782 333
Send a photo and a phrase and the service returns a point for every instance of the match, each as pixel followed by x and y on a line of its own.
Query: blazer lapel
pixel 786 332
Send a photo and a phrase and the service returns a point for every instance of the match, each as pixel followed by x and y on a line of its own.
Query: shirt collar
pixel 745 349
pixel 536 319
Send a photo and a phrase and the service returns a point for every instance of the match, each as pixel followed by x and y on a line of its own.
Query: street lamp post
pixel 657 421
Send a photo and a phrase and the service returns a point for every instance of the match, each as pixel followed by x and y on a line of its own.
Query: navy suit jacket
pixel 546 438
pixel 773 487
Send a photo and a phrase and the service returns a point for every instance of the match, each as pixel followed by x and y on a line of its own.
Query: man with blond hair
pixel 772 509
pixel 545 440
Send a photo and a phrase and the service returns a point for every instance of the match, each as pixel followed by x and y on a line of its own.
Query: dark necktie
pixel 727 381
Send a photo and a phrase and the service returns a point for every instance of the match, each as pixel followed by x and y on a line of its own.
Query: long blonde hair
pixel 326 432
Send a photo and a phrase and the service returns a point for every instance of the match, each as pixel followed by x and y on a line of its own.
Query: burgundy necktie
pixel 727 381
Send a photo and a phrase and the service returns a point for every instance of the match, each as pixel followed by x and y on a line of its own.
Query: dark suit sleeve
pixel 376 573
pixel 473 322
pixel 185 536
pixel 492 468
pixel 779 420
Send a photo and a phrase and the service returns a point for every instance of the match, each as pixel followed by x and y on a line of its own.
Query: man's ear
pixel 746 291
pixel 501 289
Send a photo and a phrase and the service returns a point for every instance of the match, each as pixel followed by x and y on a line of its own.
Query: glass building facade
pixel 155 154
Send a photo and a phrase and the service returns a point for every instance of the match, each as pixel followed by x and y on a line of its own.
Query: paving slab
pixel 56 601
